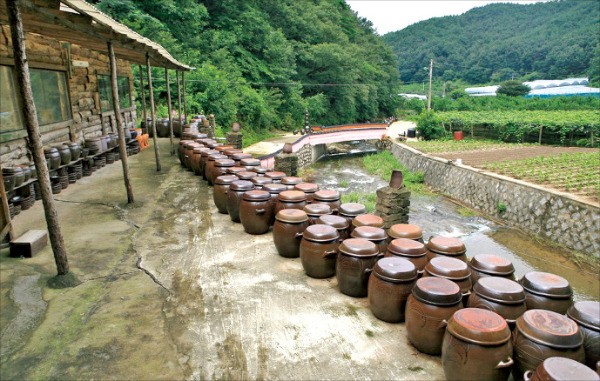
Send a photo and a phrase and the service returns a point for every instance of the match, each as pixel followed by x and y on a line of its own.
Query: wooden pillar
pixel 119 121
pixel 143 98
pixel 35 137
pixel 185 110
pixel 179 102
pixel 170 108
pixel 7 234
pixel 152 112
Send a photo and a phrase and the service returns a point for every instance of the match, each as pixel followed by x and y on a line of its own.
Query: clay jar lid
pixel 225 179
pixel 446 245
pixel 562 368
pixel 232 151
pixel 306 187
pixel 317 209
pixel 498 289
pixel 257 195
pixel 199 150
pixel 246 175
pixel 224 163
pixel 182 142
pixel 337 222
pixel 492 264
pixel 327 195
pixel 352 209
pixel 405 231
pixel 233 170
pixel 241 185
pixel 291 180
pixel 274 188
pixel 216 156
pixel 358 247
pixel 479 326
pixel 223 148
pixel 208 153
pixel 321 233
pixel 407 247
pixel 292 216
pixel 437 291
pixel 368 220
pixel 586 314
pixel 447 267
pixel 291 196
pixel 395 270
pixel 213 144
pixel 260 170
pixel 239 156
pixel 371 233
pixel 192 144
pixel 53 150
pixel 249 162
pixel 275 175
pixel 546 284
pixel 261 180
pixel 549 328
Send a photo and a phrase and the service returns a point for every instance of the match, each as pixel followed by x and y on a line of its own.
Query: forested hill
pixel 263 62
pixel 555 39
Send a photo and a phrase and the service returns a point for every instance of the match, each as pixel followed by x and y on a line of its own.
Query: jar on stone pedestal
pixel 501 295
pixel 314 211
pixel 309 189
pixel 220 191
pixel 329 197
pixel 447 247
pixel 234 197
pixel 376 235
pixel 287 231
pixel 547 291
pixel 413 251
pixel 405 231
pixel 318 251
pixel 587 315
pixel 339 223
pixel 390 284
pixel 491 265
pixel 290 199
pixel 255 211
pixel 356 259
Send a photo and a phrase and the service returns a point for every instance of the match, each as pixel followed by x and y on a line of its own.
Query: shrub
pixel 430 127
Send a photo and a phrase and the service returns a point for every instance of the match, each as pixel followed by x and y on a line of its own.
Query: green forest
pixel 263 63
pixel 497 42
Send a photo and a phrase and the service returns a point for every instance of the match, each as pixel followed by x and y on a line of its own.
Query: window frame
pixel 111 111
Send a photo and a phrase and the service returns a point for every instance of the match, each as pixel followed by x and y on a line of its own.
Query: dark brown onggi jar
pixel 309 189
pixel 246 175
pixel 329 197
pixel 287 231
pixel 255 211
pixel 477 346
pixel 196 156
pixel 447 247
pixel 547 291
pixel 587 315
pixel 410 250
pixel 540 334
pixel 339 223
pixel 232 151
pixel 350 210
pixel 275 176
pixel 204 159
pixel 405 231
pixel 259 181
pixel 234 197
pixel 220 191
pixel 452 269
pixel 274 190
pixel 367 220
pixel 260 171
pixel 390 285
pixel 235 170
pixel 52 158
pixel 314 211
pixel 432 302
pixel 249 163
pixel 65 154
pixel 318 251
pixel 291 181
pixel 189 153
pixel 376 235
pixel 501 295
pixel 356 259
pixel 237 157
pixel 181 149
pixel 220 168
pixel 290 199
pixel 223 148
pixel 561 369
pixel 491 265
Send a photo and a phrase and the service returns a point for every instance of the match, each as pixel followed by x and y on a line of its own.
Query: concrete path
pixel 174 290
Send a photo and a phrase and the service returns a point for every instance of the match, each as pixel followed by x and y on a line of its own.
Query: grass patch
pixel 343 183
pixel 466 212
pixel 383 163
pixel 250 136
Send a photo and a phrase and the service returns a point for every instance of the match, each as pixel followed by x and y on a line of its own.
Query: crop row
pixel 439 146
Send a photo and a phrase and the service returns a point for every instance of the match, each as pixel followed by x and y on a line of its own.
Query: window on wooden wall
pixel 10 113
pixel 51 96
pixel 106 99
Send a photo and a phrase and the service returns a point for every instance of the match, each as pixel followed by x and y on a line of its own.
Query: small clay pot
pixel 290 199
pixel 410 250
pixel 561 369
pixel 287 231
pixel 448 247
pixel 501 295
pixel 376 235
pixel 452 269
pixel 318 251
pixel 255 211
pixel 405 231
pixel 397 179
pixel 220 191
pixel 390 285
pixel 329 197
pixel 356 260
pixel 339 223
pixel 314 211
pixel 587 316
pixel 547 291
pixel 234 197
pixel 309 189
pixel 491 265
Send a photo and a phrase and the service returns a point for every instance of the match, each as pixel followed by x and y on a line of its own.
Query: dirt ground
pixel 479 158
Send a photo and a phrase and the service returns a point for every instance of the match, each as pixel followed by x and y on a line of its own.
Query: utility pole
pixel 429 92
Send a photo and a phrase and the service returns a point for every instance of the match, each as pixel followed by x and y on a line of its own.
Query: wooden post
pixel 5 222
pixel 152 112
pixel 35 137
pixel 170 110
pixel 179 102
pixel 185 110
pixel 540 135
pixel 119 121
pixel 143 98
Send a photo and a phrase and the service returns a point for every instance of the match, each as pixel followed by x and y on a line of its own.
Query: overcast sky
pixel 391 15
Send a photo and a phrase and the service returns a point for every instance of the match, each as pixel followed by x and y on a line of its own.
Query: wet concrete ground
pixel 171 289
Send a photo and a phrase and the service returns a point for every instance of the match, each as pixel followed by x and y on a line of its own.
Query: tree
pixel 513 88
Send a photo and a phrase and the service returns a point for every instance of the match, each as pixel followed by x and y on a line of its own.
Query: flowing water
pixel 437 215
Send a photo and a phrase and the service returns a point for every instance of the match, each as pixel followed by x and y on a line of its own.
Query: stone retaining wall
pixel 553 215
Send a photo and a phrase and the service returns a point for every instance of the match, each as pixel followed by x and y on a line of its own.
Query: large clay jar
pixel 203 160
pixel 540 334
pixel 547 291
pixel 376 235
pixel 314 211
pixel 188 153
pixel 246 175
pixel 477 346
pixel 220 168
pixel 260 171
pixel 287 231
pixel 410 250
pixel 195 161
pixel 587 316
pixel 210 166
pixel 309 189
pixel 181 149
pixel 432 302
pixel 390 285
pixel 259 181
pixel 452 269
pixel 318 251
pixel 447 247
pixel 235 170
pixel 491 265
pixel 221 190
pixel 367 220
pixel 339 223
pixel 290 199
pixel 224 148
pixel 501 295
pixel 237 157
pixel 356 260
pixel 274 190
pixel 255 210
pixel 349 210
pixel 232 151
pixel 329 197
pixel 276 176
pixel 291 181
pixel 405 231
pixel 234 197
pixel 249 163
pixel 561 369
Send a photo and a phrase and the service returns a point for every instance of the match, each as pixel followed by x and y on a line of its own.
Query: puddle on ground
pixel 437 215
